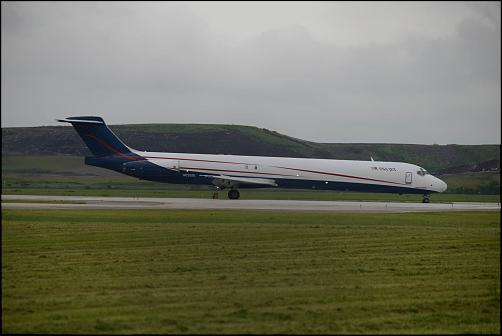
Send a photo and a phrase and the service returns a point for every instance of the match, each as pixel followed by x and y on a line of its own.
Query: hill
pixel 246 140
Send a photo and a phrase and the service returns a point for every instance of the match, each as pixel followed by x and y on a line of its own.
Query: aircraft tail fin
pixel 97 136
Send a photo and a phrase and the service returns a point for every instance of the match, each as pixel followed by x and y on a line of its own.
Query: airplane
pixel 234 172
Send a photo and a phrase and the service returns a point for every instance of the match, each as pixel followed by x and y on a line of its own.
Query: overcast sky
pixel 405 72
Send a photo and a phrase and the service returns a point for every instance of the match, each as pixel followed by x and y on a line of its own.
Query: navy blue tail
pixel 98 137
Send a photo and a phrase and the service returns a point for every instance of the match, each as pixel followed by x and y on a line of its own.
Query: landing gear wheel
pixel 233 194
pixel 426 199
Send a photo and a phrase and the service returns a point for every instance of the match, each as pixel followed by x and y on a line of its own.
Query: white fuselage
pixel 369 173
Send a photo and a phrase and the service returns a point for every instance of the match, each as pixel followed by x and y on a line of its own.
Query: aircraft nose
pixel 441 185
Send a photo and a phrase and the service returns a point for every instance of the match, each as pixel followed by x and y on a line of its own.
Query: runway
pixel 96 202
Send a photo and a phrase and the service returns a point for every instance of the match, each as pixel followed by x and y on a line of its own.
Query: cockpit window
pixel 422 172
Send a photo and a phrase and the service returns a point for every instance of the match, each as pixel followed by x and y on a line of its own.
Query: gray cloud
pixel 158 63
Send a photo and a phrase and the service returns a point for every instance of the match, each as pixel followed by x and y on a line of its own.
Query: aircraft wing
pixel 231 181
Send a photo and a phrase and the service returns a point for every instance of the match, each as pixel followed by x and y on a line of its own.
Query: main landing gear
pixel 426 199
pixel 233 194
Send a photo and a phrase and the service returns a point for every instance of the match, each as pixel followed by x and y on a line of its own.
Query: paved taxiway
pixel 96 202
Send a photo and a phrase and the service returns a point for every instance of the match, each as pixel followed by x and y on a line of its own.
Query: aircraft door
pixel 408 178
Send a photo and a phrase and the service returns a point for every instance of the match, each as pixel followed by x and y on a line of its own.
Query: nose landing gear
pixel 426 199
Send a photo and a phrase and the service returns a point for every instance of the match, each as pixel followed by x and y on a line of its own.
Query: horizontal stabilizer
pixel 68 120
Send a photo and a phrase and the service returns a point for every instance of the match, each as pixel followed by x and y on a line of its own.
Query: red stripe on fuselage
pixel 341 175
pixel 303 170
pixel 198 160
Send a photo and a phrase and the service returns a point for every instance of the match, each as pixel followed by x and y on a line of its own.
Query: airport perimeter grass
pixel 108 271
pixel 272 194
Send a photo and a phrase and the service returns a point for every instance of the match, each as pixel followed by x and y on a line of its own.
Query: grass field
pixel 72 271
pixel 273 194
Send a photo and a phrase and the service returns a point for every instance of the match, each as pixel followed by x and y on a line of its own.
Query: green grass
pixel 105 272
pixel 473 181
pixel 169 191
pixel 48 165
